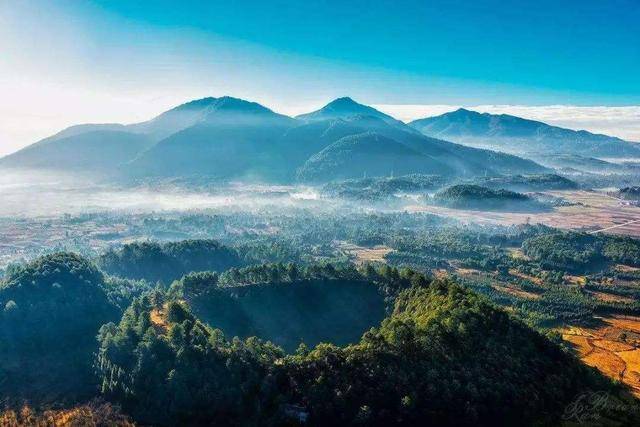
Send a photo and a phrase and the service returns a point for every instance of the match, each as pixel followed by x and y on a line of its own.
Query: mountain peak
pixel 346 104
pixel 224 103
pixel 239 105
pixel 196 104
pixel 461 112
pixel 344 101
pixel 344 108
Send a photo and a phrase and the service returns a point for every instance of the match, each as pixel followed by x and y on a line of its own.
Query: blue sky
pixel 64 61
pixel 589 49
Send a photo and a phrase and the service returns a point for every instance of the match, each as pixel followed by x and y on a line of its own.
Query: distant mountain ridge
pixel 520 136
pixel 230 138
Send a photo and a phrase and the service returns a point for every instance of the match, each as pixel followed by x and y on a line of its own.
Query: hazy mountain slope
pixel 351 117
pixel 234 138
pixel 580 163
pixel 517 135
pixel 83 128
pixel 463 160
pixel 308 138
pixel 174 120
pixel 96 151
pixel 228 137
pixel 367 154
pixel 473 161
pixel 87 146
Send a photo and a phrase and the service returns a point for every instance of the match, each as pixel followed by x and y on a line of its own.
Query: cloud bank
pixel 623 122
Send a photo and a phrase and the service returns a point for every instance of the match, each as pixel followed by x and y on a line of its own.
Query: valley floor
pixel 593 211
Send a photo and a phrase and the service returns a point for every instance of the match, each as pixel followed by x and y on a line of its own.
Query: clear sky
pixel 65 62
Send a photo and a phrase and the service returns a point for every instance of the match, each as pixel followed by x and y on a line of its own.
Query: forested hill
pixel 51 311
pixel 441 356
pixel 229 138
pixel 469 196
pixel 394 348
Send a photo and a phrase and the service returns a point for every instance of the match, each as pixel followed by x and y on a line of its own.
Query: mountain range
pixel 229 138
pixel 520 136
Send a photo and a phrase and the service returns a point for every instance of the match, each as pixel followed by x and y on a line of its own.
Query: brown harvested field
pixel 605 297
pixel 363 254
pixel 629 323
pixel 575 280
pixel 593 211
pixel 582 344
pixel 516 292
pixel 468 272
pixel 612 346
pixel 609 363
pixel 516 253
pixel 532 279
pixel 631 375
pixel 439 273
pixel 626 268
pixel 622 282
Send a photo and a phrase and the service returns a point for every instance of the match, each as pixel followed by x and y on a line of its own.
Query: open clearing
pixel 158 319
pixel 362 254
pixel 590 211
pixel 612 346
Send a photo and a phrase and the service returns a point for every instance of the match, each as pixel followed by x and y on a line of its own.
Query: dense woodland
pixel 167 262
pixel 581 252
pixel 443 353
pixel 277 329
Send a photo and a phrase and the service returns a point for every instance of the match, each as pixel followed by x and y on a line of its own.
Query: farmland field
pixel 612 346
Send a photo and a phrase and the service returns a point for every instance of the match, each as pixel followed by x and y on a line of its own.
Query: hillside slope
pixel 96 151
pixel 444 356
pixel 234 138
pixel 50 312
pixel 367 154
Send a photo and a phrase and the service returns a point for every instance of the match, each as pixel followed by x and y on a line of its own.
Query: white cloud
pixel 623 122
